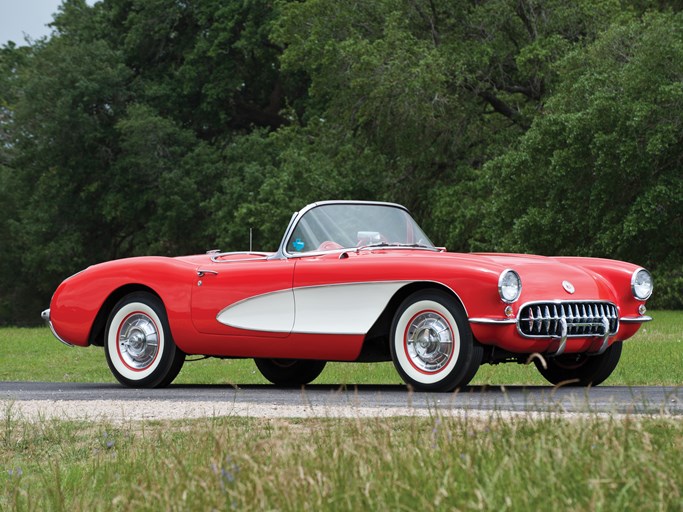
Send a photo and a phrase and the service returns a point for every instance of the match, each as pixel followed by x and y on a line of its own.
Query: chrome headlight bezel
pixel 641 284
pixel 505 286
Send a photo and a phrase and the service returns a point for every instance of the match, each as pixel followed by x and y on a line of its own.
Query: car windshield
pixel 344 226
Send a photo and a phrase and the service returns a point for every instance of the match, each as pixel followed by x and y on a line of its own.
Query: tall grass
pixel 437 463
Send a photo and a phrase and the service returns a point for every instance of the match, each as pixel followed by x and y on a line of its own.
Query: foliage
pixel 169 127
pixel 600 169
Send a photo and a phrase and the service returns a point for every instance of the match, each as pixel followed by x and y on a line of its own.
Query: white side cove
pixel 333 309
pixel 272 312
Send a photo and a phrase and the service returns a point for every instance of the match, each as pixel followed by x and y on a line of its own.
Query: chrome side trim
pixel 493 321
pixel 635 319
pixel 45 315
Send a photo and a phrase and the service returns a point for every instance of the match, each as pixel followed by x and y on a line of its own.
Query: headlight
pixel 641 284
pixel 509 285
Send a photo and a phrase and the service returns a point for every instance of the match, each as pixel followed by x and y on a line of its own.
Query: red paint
pixel 472 278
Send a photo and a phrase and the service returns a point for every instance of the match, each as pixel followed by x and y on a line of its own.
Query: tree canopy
pixel 172 127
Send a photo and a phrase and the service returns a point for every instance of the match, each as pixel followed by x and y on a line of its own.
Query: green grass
pixel 501 463
pixel 653 356
pixel 436 463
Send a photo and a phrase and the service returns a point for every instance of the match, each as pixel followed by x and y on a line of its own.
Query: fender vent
pixel 544 319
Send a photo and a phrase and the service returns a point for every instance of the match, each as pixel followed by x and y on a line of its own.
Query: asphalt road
pixel 602 399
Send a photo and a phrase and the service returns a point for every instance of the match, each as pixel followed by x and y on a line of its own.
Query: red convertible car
pixel 355 281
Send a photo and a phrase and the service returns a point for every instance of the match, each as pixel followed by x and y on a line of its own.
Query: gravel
pixel 121 411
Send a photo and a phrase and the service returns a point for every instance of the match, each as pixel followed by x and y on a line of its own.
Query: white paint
pixel 334 309
pixel 343 308
pixel 271 312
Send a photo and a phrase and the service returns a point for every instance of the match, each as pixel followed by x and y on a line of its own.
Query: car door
pixel 244 295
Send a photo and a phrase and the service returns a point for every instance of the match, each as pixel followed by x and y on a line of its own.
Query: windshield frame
pixel 282 251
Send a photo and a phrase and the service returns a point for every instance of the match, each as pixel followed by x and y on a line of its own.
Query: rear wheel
pixel 290 372
pixel 581 369
pixel 138 343
pixel 431 342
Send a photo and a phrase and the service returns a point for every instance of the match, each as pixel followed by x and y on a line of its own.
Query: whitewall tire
pixel 431 342
pixel 138 343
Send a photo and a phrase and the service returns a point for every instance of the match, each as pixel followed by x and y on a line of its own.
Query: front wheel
pixel 138 343
pixel 431 342
pixel 581 369
pixel 290 372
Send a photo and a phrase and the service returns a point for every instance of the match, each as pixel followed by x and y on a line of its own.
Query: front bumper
pixel 45 315
pixel 505 333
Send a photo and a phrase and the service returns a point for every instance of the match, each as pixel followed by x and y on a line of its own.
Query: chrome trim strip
pixel 493 321
pixel 635 319
pixel 45 315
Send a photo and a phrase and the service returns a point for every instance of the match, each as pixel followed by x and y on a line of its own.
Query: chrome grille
pixel 547 319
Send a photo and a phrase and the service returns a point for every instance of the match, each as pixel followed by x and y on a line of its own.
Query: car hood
pixel 546 275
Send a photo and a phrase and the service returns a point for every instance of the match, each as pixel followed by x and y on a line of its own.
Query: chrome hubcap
pixel 138 341
pixel 429 342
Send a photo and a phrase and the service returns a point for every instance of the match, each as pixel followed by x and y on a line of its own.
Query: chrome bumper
pixel 635 319
pixel 45 315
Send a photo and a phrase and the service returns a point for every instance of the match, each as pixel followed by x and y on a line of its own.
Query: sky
pixel 19 17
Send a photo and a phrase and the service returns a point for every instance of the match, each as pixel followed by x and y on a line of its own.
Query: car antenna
pixel 250 239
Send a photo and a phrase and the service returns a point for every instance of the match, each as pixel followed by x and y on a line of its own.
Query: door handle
pixel 202 273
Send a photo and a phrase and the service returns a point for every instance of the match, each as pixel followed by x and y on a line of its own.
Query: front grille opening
pixel 544 319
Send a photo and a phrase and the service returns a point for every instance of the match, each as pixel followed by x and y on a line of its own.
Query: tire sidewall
pixel 451 375
pixel 154 373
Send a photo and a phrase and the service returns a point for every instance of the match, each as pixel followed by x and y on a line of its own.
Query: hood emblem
pixel 568 287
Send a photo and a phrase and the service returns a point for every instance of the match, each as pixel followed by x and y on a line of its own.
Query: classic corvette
pixel 355 281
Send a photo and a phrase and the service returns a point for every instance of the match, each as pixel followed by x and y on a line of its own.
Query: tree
pixel 600 171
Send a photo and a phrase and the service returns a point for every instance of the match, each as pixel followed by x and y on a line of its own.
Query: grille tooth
pixel 539 320
pixel 583 319
pixel 546 321
pixel 553 326
pixel 531 320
